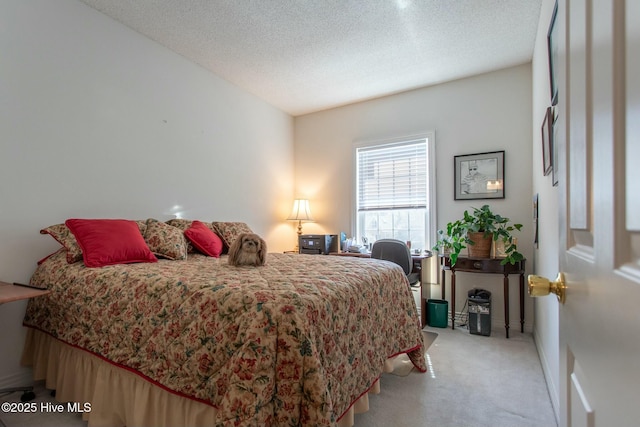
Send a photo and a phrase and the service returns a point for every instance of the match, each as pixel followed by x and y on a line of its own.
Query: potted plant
pixel 481 223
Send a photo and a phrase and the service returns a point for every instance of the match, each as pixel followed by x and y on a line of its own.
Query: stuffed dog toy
pixel 248 249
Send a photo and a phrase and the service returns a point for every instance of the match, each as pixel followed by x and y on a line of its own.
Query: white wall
pixel 99 121
pixel 546 256
pixel 483 113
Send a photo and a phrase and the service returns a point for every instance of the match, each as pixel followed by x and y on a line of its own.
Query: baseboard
pixel 22 378
pixel 554 395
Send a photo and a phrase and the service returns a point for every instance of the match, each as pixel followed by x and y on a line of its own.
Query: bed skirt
pixel 119 397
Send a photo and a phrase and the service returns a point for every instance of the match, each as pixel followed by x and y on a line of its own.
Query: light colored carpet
pixel 472 380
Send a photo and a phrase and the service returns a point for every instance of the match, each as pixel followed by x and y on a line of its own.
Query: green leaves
pixel 480 219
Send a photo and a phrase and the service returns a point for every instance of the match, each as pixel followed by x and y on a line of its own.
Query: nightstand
pixel 10 293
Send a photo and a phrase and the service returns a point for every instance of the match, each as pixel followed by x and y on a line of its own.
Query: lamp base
pixel 299 234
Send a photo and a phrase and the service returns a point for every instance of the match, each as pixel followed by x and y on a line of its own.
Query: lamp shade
pixel 300 211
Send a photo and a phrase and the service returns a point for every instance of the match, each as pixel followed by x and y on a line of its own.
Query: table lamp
pixel 300 212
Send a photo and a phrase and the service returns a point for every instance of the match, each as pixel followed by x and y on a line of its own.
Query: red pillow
pixel 205 240
pixel 110 241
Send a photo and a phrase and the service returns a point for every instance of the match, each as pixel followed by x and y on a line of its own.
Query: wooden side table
pixel 484 265
pixel 10 293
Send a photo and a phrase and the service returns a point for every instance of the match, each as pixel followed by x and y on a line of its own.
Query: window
pixel 393 198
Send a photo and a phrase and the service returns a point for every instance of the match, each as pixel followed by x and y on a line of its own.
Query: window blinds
pixel 392 176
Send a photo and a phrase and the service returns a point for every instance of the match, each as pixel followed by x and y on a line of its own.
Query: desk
pixel 417 268
pixel 10 293
pixel 487 266
pixel 417 259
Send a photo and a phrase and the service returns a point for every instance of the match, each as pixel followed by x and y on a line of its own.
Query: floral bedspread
pixel 294 342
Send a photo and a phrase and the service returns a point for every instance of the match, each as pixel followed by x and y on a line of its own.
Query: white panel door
pixel 598 138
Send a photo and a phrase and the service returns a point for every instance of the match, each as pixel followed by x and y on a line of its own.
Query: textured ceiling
pixel 309 55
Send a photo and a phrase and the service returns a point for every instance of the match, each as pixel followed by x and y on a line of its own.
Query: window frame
pixel 431 211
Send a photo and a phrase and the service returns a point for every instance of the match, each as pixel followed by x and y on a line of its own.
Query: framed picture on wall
pixel 535 220
pixel 552 49
pixel 479 176
pixel 547 142
pixel 555 164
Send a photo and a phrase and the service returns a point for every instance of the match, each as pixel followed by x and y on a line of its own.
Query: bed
pixel 195 341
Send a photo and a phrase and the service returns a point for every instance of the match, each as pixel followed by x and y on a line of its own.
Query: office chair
pixel 398 252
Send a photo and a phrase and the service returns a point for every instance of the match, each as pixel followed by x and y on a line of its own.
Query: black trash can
pixel 479 301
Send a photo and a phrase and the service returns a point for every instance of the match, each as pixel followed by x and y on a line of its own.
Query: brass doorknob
pixel 540 286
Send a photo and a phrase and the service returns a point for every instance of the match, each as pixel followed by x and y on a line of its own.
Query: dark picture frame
pixel 479 176
pixel 547 142
pixel 552 50
pixel 535 221
pixel 555 164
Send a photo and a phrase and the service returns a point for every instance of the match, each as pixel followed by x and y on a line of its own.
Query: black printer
pixel 318 244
